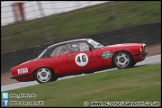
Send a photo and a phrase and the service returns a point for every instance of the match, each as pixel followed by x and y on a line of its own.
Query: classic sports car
pixel 77 57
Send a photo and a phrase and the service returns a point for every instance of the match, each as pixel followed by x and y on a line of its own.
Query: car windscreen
pixel 95 44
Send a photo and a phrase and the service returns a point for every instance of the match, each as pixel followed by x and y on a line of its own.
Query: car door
pixel 84 59
pixel 60 59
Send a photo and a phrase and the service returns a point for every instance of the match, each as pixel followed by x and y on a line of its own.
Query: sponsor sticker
pixel 106 55
pixel 81 59
pixel 23 70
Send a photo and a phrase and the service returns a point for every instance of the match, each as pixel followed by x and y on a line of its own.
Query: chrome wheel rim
pixel 43 74
pixel 122 60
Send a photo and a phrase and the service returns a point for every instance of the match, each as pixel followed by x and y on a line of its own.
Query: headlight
pixel 144 47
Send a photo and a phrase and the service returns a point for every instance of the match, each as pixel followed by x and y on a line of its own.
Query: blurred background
pixel 28 27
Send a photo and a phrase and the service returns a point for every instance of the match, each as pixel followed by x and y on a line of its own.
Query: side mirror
pixel 90 48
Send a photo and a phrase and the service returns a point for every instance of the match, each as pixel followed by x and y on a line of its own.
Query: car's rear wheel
pixel 44 74
pixel 123 59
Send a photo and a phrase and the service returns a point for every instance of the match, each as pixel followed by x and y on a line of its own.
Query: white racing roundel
pixel 81 59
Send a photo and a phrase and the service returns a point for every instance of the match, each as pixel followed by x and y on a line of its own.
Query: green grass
pixel 83 22
pixel 134 84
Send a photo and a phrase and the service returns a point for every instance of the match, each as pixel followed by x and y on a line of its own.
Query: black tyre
pixel 133 63
pixel 123 59
pixel 44 74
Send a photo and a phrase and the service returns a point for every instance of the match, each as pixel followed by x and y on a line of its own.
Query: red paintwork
pixel 65 64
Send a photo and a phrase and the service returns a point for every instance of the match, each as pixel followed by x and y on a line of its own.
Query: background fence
pixel 48 22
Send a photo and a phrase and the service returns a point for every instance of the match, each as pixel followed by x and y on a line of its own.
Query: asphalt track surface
pixel 148 61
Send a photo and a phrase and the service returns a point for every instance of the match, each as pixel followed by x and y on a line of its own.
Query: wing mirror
pixel 90 48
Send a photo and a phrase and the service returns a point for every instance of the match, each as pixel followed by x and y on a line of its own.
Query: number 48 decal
pixel 81 59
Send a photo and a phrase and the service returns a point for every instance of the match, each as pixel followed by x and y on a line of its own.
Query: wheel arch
pixel 34 71
pixel 121 51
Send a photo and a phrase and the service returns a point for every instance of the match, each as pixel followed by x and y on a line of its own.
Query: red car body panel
pixel 64 65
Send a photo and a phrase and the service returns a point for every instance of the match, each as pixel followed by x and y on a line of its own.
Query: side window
pixel 83 46
pixel 60 50
pixel 79 46
pixel 75 47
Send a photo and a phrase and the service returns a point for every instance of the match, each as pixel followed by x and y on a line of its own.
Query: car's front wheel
pixel 123 59
pixel 44 74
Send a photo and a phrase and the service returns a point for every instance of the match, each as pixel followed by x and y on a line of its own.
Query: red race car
pixel 77 57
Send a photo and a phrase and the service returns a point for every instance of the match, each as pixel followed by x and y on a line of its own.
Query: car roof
pixel 69 41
